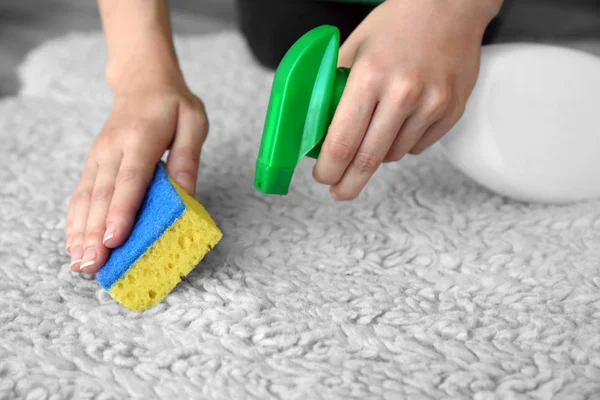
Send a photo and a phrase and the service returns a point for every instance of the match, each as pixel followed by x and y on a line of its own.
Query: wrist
pixel 149 61
pixel 139 43
pixel 482 12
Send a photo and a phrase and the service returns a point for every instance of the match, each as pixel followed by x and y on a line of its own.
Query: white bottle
pixel 531 128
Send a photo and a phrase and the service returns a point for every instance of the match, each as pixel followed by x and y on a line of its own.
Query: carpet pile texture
pixel 426 287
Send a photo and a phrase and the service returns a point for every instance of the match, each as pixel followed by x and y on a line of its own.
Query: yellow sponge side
pixel 169 259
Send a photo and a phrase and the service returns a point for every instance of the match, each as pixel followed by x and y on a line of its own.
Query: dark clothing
pixel 271 27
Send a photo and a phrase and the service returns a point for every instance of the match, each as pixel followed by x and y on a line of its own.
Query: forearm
pixel 139 41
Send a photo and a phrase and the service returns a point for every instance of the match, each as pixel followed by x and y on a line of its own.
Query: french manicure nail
pixel 110 232
pixel 76 256
pixel 89 258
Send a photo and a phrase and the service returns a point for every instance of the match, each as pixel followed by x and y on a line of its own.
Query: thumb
pixel 349 49
pixel 347 55
pixel 184 155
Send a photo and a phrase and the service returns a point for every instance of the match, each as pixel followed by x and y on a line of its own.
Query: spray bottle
pixel 530 131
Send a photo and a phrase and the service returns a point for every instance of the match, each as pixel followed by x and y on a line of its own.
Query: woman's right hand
pixel 153 111
pixel 143 124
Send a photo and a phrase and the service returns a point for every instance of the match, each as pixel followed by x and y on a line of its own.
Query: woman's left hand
pixel 414 65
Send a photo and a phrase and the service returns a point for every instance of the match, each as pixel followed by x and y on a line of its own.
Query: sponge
pixel 171 235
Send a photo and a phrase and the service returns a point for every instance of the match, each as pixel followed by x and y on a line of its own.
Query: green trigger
pixel 306 90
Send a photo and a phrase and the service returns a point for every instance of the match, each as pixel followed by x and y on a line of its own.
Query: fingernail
pixel 335 196
pixel 110 232
pixel 76 256
pixel 89 258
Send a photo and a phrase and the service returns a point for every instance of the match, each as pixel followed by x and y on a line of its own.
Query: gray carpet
pixel 426 287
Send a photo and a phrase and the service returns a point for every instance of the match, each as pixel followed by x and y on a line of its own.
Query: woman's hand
pixel 414 65
pixel 153 111
pixel 121 163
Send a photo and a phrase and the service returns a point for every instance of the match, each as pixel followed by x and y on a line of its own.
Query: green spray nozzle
pixel 306 90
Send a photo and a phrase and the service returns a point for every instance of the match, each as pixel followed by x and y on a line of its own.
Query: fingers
pixel 125 161
pixel 436 131
pixel 79 205
pixel 184 156
pixel 349 125
pixel 370 128
pixel 433 107
pixel 391 113
pixel 94 253
pixel 131 182
pixel 135 172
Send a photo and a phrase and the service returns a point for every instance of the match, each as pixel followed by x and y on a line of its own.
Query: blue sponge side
pixel 161 207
